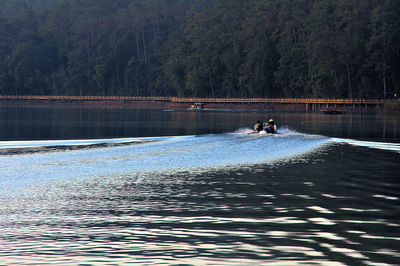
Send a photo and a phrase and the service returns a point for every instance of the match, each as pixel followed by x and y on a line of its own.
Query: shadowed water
pixel 230 198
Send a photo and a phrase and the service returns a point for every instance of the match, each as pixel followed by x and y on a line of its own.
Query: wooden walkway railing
pixel 82 98
pixel 278 100
pixel 192 100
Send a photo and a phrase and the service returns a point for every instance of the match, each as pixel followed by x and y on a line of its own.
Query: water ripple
pixel 320 208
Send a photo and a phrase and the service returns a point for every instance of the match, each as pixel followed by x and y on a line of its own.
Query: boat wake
pixel 370 144
pixel 61 159
pixel 132 156
pixel 284 131
pixel 81 142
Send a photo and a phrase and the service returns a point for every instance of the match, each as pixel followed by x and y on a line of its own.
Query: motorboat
pixel 197 106
pixel 268 128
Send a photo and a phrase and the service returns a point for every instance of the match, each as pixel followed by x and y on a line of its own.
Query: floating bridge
pixel 312 104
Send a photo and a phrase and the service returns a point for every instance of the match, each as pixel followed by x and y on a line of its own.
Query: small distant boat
pixel 196 106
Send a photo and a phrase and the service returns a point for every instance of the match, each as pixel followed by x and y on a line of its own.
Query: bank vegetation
pixel 201 48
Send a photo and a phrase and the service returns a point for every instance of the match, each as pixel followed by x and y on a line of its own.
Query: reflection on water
pixel 317 202
pixel 34 123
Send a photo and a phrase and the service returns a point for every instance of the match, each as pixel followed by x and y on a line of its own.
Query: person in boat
pixel 270 127
pixel 259 126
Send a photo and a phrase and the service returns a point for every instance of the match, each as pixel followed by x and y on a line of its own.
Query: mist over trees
pixel 200 48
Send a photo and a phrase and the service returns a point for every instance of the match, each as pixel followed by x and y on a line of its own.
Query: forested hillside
pixel 202 48
pixel 15 8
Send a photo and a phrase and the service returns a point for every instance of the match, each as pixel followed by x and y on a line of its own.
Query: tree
pixel 200 72
pixel 384 45
pixel 207 48
pixel 259 56
pixel 352 18
pixel 291 35
pixel 322 50
pixel 174 54
pixel 30 60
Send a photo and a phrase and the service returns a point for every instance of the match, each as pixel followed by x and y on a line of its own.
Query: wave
pixel 79 142
pixel 370 144
pixel 242 134
pixel 151 155
pixel 60 159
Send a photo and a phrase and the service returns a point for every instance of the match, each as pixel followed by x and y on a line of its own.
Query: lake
pixel 94 186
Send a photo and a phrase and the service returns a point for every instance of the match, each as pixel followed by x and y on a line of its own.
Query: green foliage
pixel 392 105
pixel 203 48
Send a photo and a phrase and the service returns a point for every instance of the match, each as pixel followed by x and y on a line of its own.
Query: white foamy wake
pixel 281 131
pixel 370 144
pixel 77 142
pixel 166 155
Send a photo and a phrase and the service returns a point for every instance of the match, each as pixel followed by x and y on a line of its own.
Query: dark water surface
pixel 196 187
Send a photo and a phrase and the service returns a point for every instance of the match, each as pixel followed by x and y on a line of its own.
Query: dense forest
pixel 201 48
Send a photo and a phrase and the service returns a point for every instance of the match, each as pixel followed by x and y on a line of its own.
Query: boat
pixel 197 106
pixel 270 129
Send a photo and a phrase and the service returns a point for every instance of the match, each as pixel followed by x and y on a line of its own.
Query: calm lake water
pixel 97 186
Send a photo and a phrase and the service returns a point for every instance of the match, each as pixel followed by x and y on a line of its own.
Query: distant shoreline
pixel 157 105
